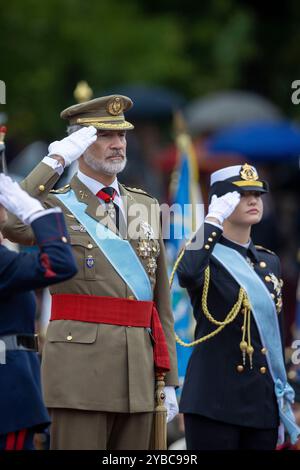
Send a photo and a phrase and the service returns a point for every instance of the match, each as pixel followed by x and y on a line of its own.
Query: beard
pixel 106 167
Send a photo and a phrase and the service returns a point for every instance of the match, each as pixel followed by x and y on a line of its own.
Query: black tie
pixel 108 194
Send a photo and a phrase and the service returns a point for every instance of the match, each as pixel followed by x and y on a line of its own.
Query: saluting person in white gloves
pixel 111 330
pixel 235 392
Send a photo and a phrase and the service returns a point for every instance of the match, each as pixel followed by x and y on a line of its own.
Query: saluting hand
pixel 17 201
pixel 222 207
pixel 73 146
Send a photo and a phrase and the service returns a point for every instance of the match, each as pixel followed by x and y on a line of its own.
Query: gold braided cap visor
pixel 106 123
pixel 106 112
pixel 109 126
pixel 248 183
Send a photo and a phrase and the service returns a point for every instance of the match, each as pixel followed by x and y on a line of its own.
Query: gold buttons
pixel 267 278
pixel 64 239
pixel 210 239
pixel 292 374
pixel 214 234
pixel 41 187
pixel 69 337
pixel 207 247
pixel 90 246
pixel 264 350
pixel 263 370
pixel 262 264
pixel 240 368
pixel 130 297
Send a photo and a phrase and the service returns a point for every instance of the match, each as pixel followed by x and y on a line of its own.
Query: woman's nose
pixel 252 200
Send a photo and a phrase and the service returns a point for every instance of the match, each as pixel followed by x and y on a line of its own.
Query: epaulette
pixel 138 190
pixel 259 247
pixel 62 190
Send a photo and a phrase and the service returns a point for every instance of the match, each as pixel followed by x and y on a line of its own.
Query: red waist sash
pixel 114 311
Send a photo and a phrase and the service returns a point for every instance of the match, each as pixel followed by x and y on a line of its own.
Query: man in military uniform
pixel 106 340
pixel 235 391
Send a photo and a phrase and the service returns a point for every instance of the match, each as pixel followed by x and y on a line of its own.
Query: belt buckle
pixel 36 342
pixel 28 342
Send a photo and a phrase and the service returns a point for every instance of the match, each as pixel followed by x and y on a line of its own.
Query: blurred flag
pixel 297 316
pixel 187 211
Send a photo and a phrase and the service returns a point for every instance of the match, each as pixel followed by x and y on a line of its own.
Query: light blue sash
pixel 265 316
pixel 119 252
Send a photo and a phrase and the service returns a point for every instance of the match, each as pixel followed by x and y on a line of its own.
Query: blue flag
pixel 186 207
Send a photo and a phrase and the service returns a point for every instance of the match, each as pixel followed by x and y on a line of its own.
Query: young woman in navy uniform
pixel 22 410
pixel 235 387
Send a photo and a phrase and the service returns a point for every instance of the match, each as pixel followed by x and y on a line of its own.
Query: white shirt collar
pixel 93 185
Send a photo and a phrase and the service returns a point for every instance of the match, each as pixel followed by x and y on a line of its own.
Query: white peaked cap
pixel 225 173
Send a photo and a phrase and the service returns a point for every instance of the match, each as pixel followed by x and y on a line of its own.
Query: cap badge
pixel 248 173
pixel 115 106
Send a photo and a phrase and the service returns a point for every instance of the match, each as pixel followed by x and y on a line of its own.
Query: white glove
pixel 16 200
pixel 73 146
pixel 171 403
pixel 222 207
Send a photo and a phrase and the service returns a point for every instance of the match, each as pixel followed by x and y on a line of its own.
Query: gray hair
pixel 73 128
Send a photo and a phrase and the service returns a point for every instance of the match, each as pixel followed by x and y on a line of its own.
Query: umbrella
pixel 3 118
pixel 259 141
pixel 28 158
pixel 150 102
pixel 219 110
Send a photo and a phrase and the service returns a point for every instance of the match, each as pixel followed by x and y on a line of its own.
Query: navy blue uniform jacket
pixel 213 385
pixel 21 403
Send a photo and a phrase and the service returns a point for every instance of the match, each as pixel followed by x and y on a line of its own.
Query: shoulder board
pixel 137 190
pixel 64 189
pixel 259 247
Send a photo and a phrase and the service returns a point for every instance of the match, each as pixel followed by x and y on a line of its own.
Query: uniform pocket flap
pixel 81 240
pixel 68 331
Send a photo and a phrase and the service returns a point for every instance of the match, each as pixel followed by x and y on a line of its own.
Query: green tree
pixel 47 47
